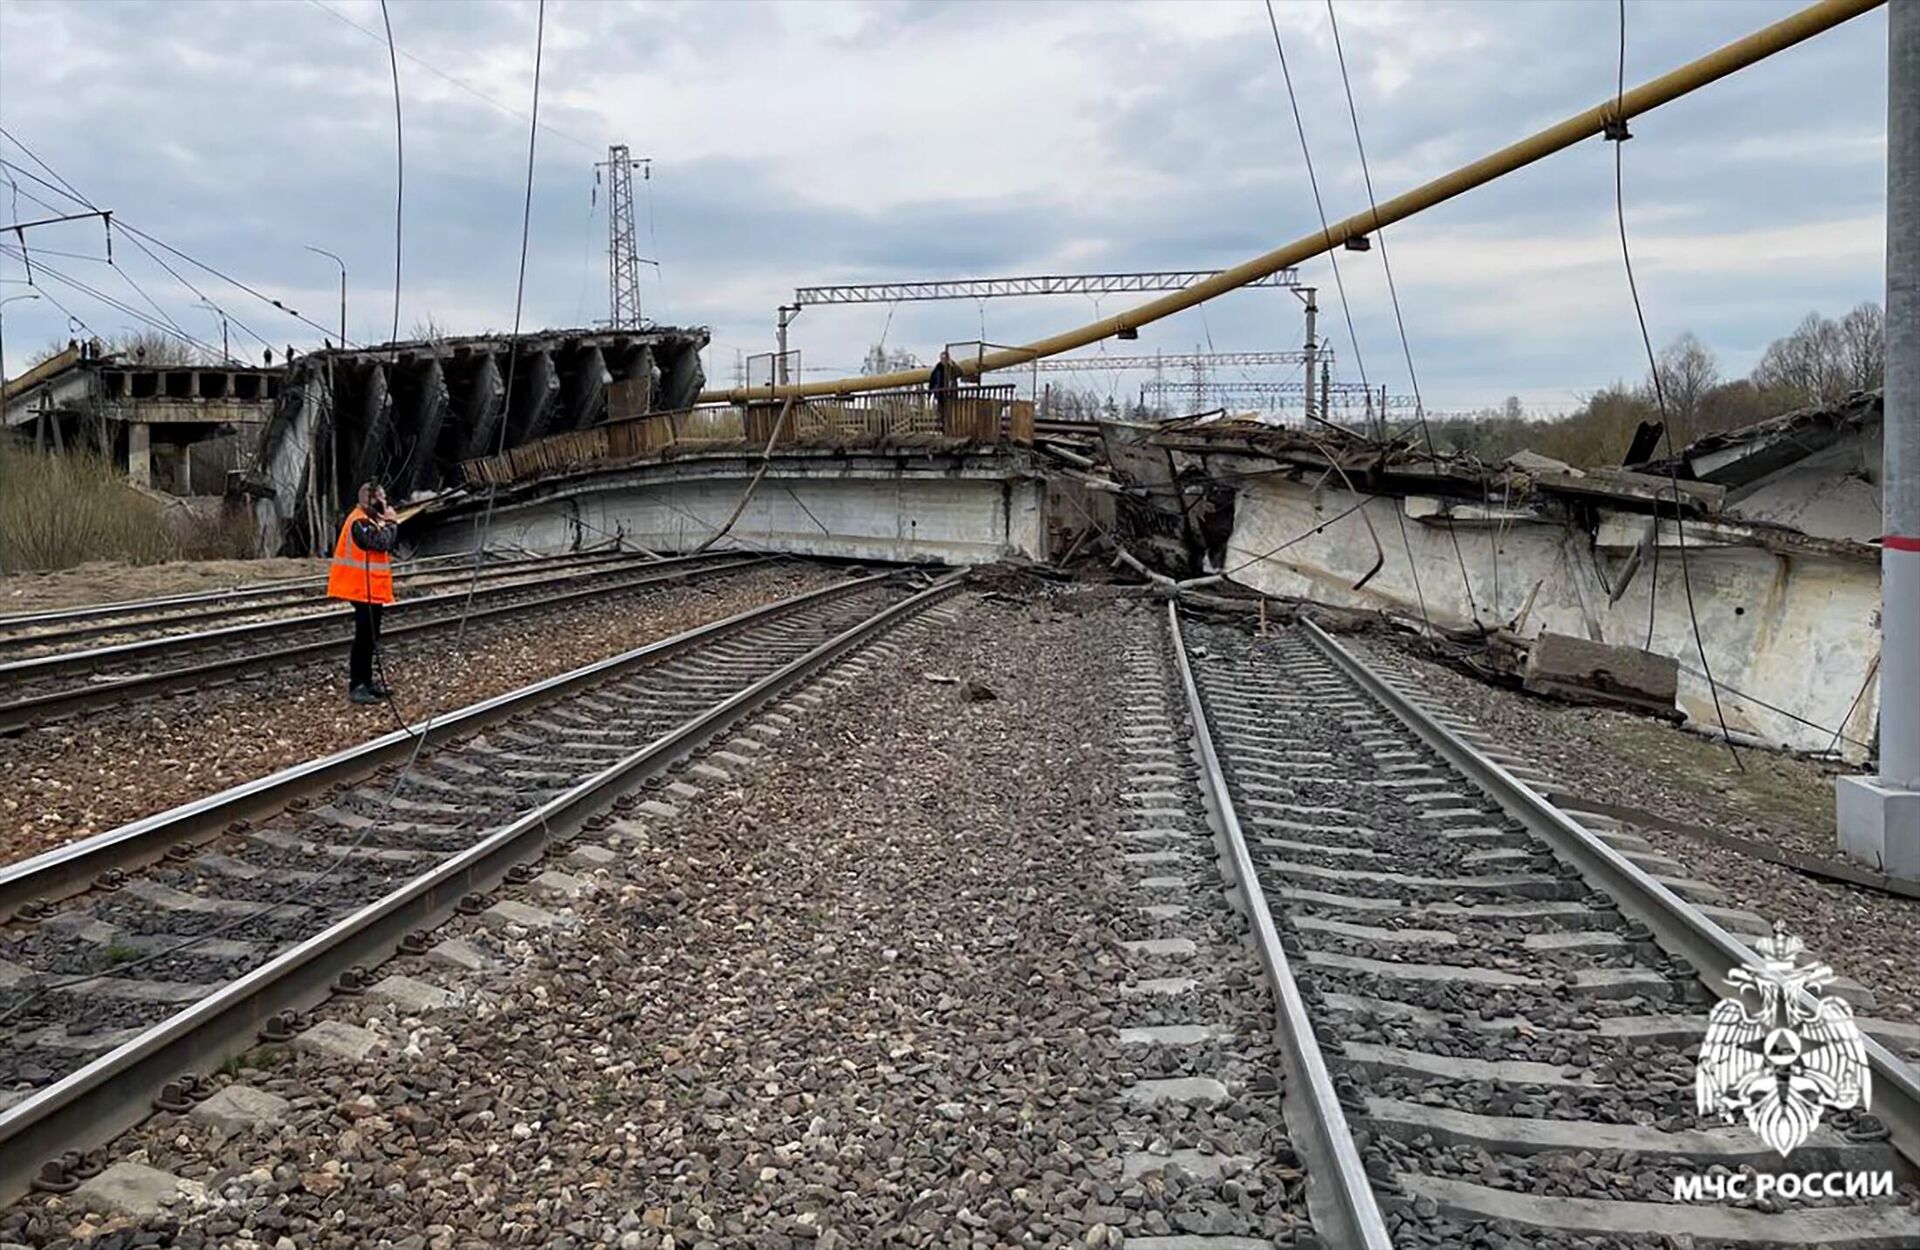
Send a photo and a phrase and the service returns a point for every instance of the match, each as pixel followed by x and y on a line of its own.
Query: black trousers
pixel 366 636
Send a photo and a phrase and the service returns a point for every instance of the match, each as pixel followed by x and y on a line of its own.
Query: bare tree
pixel 1863 347
pixel 154 347
pixel 1688 372
pixel 1804 367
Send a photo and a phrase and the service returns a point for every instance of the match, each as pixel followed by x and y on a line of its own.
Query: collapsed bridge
pixel 407 414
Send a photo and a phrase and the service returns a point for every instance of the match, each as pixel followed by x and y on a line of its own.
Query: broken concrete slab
pixel 335 1039
pixel 512 912
pixel 463 954
pixel 1581 671
pixel 559 883
pixel 1196 1091
pixel 587 857
pixel 414 997
pixel 136 1190
pixel 240 1107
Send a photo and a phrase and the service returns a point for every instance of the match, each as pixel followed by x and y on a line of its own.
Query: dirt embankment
pixel 109 581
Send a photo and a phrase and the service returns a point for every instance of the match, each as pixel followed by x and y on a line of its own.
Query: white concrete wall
pixel 1797 631
pixel 957 520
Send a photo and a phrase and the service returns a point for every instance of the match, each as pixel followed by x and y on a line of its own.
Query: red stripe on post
pixel 1899 543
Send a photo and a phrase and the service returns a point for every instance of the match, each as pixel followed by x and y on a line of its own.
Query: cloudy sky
pixel 796 144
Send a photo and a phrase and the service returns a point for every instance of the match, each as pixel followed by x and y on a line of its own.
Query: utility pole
pixel 623 257
pixel 787 313
pixel 1312 349
pixel 1879 817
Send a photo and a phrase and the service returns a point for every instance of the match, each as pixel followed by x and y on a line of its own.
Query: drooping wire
pixel 136 235
pixel 306 888
pixel 1346 307
pixel 1617 132
pixel 465 86
pixel 399 167
pixel 42 269
pixel 1393 291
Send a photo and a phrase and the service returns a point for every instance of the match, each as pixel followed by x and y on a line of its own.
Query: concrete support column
pixel 1879 817
pixel 139 453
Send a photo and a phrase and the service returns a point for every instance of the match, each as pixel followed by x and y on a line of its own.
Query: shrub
pixel 57 511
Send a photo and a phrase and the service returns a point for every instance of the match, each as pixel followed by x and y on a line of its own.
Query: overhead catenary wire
pixel 1399 320
pixel 399 172
pixel 305 888
pixel 1618 133
pixel 139 238
pixel 68 189
pixel 1346 306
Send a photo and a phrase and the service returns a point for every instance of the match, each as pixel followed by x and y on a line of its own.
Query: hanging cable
pixel 399 167
pixel 1406 347
pixel 1346 308
pixel 306 888
pixel 42 269
pixel 1618 134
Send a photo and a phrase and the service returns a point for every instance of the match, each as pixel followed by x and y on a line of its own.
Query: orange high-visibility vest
pixel 358 574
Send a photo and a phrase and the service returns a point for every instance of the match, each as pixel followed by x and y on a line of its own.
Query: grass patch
pixel 118 953
pixel 57 511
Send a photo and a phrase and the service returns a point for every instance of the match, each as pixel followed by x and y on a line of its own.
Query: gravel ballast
pixel 1777 800
pixel 859 990
pixel 100 770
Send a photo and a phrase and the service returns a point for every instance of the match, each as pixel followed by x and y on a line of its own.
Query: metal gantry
pixel 623 255
pixel 1177 360
pixel 1339 394
pixel 1041 284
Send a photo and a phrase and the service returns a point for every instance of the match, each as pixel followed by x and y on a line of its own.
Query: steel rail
pixel 1678 926
pixel 23 713
pixel 70 869
pixel 1340 1198
pixel 115 1091
pixel 278 586
pixel 67 661
pixel 1731 58
pixel 215 606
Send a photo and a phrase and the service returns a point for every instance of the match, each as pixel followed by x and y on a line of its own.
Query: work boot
pixel 363 694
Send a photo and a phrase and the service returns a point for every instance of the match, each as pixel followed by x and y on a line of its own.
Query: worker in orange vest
pixel 362 574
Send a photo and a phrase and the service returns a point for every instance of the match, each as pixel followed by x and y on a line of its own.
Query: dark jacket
pixel 944 377
pixel 374 536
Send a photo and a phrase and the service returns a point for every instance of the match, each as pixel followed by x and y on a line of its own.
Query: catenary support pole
pixel 1738 55
pixel 1879 817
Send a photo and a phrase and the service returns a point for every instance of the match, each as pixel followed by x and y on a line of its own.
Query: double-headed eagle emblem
pixel 1781 1065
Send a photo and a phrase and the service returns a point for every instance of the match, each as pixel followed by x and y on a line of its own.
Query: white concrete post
pixel 1879 817
pixel 139 454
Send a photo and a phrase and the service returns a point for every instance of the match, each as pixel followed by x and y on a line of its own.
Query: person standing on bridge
pixel 362 574
pixel 941 382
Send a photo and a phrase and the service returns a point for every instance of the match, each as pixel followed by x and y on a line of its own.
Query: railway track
pixel 285 884
pixel 25 635
pixel 1490 1014
pixel 37 689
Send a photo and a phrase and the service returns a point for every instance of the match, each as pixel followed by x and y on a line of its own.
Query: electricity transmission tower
pixel 623 257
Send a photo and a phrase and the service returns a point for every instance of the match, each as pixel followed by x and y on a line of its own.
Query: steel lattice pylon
pixel 623 257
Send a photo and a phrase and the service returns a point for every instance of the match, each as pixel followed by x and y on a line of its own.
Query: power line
pixel 1346 307
pixel 1617 132
pixel 441 74
pixel 399 167
pixel 1393 291
pixel 306 888
pixel 136 233
pixel 137 237
pixel 115 304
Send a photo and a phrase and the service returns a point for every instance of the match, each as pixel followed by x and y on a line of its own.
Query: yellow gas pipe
pixel 1803 25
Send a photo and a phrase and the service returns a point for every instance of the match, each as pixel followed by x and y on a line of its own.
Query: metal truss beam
pixel 1343 394
pixel 1177 360
pixel 1046 284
